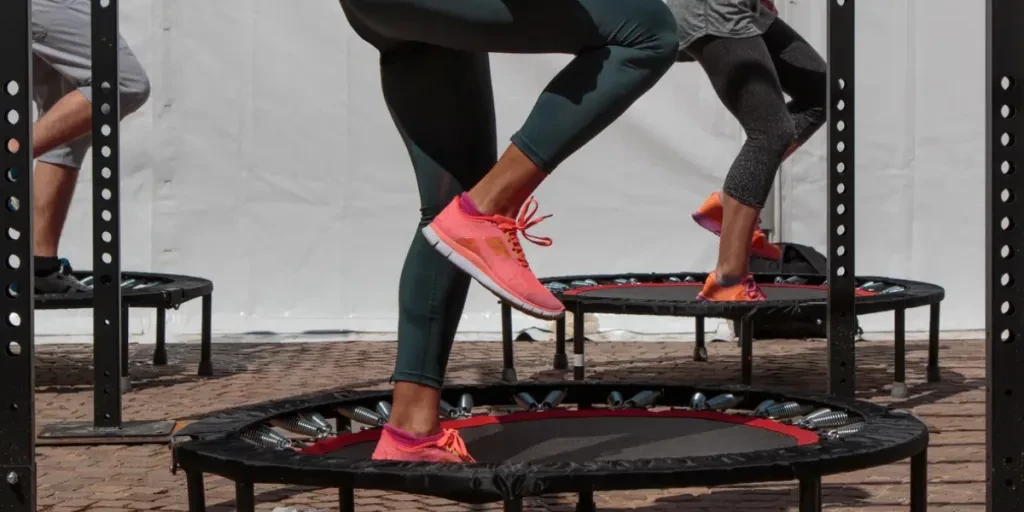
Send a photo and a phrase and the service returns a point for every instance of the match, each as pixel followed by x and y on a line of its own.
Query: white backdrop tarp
pixel 266 161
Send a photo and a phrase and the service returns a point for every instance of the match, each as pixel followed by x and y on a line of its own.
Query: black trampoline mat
pixel 581 439
pixel 688 292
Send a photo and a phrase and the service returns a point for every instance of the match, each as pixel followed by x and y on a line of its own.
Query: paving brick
pixel 137 478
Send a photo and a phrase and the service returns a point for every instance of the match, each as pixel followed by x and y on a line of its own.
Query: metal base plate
pixel 86 433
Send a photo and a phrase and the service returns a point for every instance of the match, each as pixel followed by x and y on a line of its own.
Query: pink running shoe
pixel 487 248
pixel 444 447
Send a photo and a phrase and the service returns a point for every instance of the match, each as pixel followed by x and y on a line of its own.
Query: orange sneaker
pixel 746 290
pixel 487 248
pixel 709 216
pixel 447 446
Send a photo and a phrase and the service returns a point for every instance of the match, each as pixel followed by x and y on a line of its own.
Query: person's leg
pixel 449 153
pixel 803 75
pixel 621 49
pixel 742 73
pixel 62 52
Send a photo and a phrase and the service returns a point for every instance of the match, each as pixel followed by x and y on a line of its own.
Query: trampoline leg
pixel 899 385
pixel 700 351
pixel 746 350
pixel 508 368
pixel 205 356
pixel 933 344
pixel 810 495
pixel 515 505
pixel 126 381
pixel 196 491
pixel 561 361
pixel 245 497
pixel 160 352
pixel 919 482
pixel 346 500
pixel 585 503
pixel 578 331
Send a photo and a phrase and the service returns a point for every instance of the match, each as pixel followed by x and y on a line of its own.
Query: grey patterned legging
pixel 750 76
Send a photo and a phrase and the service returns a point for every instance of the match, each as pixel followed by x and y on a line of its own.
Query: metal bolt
pixel 12 478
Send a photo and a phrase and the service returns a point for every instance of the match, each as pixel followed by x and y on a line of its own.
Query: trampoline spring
pixel 820 412
pixel 689 279
pixel 623 280
pixel 383 408
pixel 872 286
pixel 318 418
pixel 779 280
pixel 127 283
pixel 525 401
pixel 86 280
pixel 266 437
pixel 892 289
pixel 723 402
pixel 795 280
pixel 615 400
pixel 466 405
pixel 763 406
pixel 557 287
pixel 642 399
pixel 553 399
pixel 583 283
pixel 300 425
pixel 447 411
pixel 363 415
pixel 698 401
pixel 830 420
pixel 783 410
pixel 845 430
pixel 674 279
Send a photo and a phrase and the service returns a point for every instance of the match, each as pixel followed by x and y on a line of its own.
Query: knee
pixel 657 32
pixel 134 89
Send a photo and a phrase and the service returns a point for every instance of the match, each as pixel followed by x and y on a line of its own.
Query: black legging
pixel 750 76
pixel 436 81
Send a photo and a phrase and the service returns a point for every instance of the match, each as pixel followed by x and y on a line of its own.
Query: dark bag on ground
pixel 796 259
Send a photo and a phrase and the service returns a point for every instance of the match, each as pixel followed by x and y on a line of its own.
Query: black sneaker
pixel 60 281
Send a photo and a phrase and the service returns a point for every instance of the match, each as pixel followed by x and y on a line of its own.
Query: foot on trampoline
pixel 747 290
pixel 899 390
pixel 60 281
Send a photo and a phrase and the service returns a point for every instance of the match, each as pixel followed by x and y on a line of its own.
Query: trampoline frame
pixel 744 314
pixel 212 445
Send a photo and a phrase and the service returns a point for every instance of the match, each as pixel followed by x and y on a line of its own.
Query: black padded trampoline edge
pixel 889 437
pixel 178 290
pixel 918 294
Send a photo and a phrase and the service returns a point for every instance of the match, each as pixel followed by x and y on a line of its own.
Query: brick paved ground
pixel 137 478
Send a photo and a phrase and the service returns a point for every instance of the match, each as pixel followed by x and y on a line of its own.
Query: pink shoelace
pixel 521 225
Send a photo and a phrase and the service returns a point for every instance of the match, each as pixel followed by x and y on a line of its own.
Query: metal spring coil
pixel 267 437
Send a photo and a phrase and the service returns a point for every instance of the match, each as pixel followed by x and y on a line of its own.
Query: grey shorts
pixel 722 18
pixel 61 47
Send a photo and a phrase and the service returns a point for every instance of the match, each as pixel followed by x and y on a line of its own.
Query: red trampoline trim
pixel 576 291
pixel 803 437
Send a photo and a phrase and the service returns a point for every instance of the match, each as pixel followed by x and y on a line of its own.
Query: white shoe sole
pixel 453 256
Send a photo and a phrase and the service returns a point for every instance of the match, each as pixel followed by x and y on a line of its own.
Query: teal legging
pixel 436 80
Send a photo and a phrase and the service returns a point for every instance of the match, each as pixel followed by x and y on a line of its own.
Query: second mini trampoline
pixel 675 294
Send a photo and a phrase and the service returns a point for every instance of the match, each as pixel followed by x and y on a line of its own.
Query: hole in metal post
pixel 14 348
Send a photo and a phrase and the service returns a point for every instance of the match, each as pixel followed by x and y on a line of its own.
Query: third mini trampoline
pixel 674 294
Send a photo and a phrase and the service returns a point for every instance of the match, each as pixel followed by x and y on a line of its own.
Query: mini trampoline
pixel 556 438
pixel 675 294
pixel 147 290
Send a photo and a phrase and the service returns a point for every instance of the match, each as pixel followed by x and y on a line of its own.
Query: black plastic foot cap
pixel 509 375
pixel 561 362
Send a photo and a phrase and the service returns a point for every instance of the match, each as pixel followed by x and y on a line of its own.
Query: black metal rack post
pixel 841 317
pixel 109 359
pixel 17 373
pixel 1004 247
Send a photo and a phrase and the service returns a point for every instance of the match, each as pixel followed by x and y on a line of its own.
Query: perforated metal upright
pixel 110 356
pixel 17 377
pixel 1004 247
pixel 841 316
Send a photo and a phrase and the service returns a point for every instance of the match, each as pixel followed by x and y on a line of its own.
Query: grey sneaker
pixel 60 281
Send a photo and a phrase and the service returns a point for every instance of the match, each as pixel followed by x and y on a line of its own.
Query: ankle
pixel 416 429
pixel 729 277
